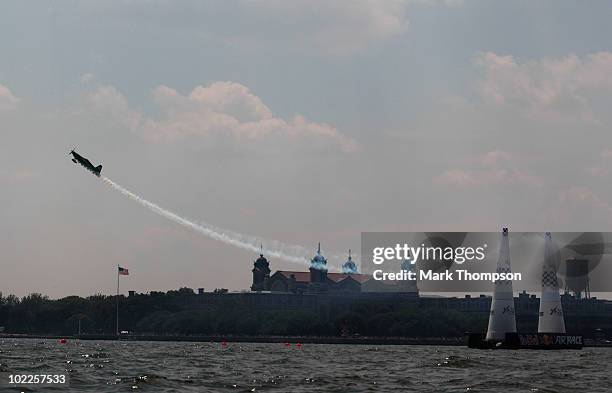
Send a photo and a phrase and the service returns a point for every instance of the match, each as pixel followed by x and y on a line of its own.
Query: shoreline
pixel 452 341
pixel 439 341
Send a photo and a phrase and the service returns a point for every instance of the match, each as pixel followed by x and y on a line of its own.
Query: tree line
pixel 173 313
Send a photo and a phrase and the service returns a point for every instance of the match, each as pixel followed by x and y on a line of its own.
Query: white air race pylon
pixel 551 313
pixel 501 318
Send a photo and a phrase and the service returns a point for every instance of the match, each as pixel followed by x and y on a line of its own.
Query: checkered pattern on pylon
pixel 503 269
pixel 549 279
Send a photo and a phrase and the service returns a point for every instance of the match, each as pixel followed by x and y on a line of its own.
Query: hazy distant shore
pixel 454 341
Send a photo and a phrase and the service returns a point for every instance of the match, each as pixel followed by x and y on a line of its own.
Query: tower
pixel 261 273
pixel 349 266
pixel 551 313
pixel 318 268
pixel 501 317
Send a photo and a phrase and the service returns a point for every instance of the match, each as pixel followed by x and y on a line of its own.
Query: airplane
pixel 79 159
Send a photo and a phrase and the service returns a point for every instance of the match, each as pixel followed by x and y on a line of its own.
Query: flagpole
pixel 117 331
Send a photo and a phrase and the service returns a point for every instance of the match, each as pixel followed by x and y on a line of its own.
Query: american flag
pixel 123 271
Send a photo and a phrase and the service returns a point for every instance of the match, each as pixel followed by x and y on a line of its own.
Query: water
pixel 111 366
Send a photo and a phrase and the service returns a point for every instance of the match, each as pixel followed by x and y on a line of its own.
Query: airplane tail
pixel 98 169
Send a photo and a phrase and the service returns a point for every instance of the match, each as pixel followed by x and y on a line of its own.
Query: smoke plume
pixel 275 249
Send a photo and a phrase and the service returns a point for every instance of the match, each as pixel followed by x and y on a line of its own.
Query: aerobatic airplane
pixel 78 159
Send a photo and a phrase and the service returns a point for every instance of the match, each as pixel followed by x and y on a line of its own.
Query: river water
pixel 120 366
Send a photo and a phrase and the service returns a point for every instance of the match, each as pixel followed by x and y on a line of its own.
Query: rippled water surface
pixel 111 366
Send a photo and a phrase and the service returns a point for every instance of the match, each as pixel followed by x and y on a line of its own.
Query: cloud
pixel 554 89
pixel 583 194
pixel 215 112
pixel 337 27
pixel 341 27
pixel 603 165
pixel 229 98
pixel 493 168
pixel 87 78
pixel 579 208
pixel 111 102
pixel 8 101
pixel 305 26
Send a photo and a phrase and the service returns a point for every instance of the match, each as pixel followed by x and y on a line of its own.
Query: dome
pixel 262 261
pixel 318 261
pixel 349 266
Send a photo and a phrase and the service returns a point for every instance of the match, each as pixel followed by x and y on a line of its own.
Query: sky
pixel 303 122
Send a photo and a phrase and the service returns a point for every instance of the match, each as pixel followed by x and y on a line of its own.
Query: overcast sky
pixel 300 121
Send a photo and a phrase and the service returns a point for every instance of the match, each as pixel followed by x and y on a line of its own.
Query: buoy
pixel 63 341
pixel 287 344
pixel 298 345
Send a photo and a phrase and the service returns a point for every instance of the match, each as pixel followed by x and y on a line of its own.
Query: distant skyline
pixel 299 121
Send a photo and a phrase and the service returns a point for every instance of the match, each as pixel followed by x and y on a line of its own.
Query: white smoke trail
pixel 289 253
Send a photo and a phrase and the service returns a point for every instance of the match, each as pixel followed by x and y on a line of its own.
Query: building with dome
pixel 318 279
pixel 261 273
